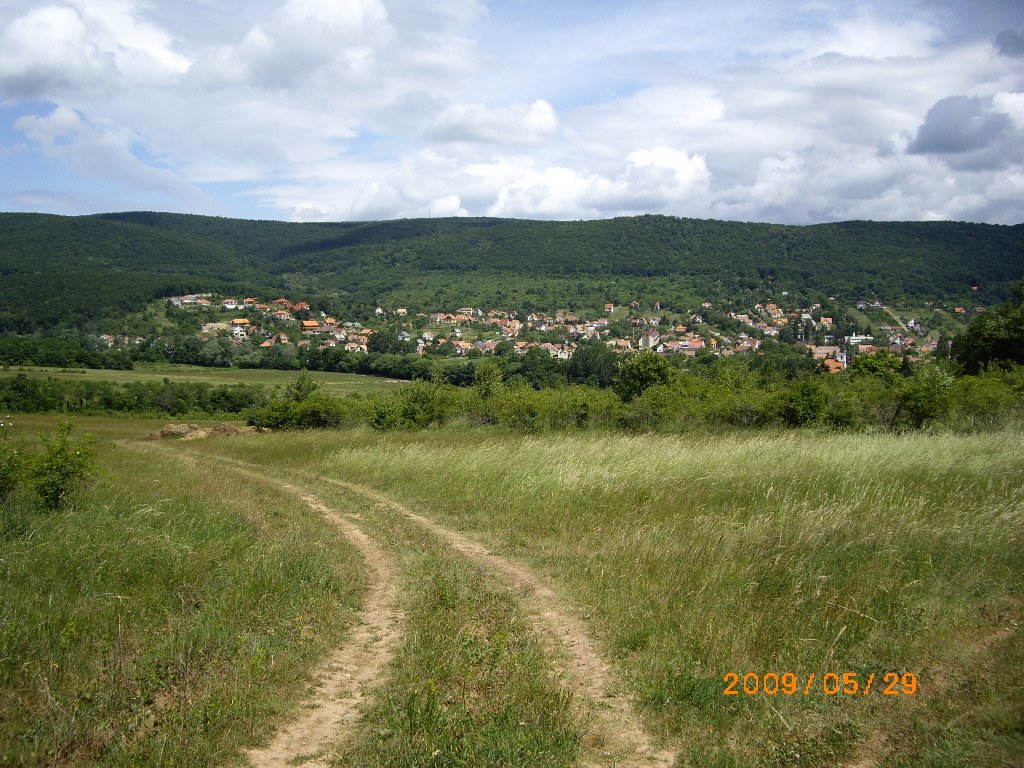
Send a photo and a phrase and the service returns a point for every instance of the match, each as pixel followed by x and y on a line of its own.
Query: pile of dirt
pixel 196 432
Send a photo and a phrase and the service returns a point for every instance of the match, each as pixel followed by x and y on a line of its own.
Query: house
pixel 401 311
pixel 330 322
pixel 650 339
pixel 858 339
pixel 277 338
pixel 300 307
pixel 310 326
pixel 609 307
pixel 281 303
pixel 229 303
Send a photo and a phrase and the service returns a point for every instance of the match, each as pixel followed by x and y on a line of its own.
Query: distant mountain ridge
pixel 69 271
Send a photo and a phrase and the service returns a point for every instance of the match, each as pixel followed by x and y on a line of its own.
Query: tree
pixel 640 372
pixel 487 379
pixel 994 338
pixel 803 402
pixel 301 387
pixel 593 363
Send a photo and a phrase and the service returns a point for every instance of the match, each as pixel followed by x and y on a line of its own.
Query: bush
pixel 802 402
pixel 11 463
pixel 59 472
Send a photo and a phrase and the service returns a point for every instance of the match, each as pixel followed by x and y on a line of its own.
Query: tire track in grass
pixel 344 680
pixel 616 736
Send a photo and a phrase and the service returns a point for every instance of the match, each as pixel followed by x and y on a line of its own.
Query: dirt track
pixel 615 736
pixel 351 672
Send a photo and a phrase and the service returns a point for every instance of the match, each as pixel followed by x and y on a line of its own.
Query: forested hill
pixel 77 270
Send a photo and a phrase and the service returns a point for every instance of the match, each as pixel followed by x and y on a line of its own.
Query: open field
pixel 521 565
pixel 333 383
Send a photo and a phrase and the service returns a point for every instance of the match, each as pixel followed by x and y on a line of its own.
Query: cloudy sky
pixel 313 110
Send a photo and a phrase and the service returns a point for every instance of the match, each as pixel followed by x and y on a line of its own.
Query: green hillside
pixel 66 271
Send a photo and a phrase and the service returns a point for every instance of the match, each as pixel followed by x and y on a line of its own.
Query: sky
pixel 354 110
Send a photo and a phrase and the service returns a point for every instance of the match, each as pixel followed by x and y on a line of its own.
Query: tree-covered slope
pixel 61 270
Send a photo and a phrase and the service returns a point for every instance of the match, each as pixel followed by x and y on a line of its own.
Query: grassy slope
pixel 332 383
pixel 798 553
pixel 166 618
pixel 180 605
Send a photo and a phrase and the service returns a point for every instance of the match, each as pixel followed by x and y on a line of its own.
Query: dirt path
pixel 616 736
pixel 895 317
pixel 343 681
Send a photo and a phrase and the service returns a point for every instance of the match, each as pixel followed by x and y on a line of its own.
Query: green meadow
pixel 174 615
pixel 332 383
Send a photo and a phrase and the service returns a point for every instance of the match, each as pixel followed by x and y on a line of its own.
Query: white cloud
pixel 656 180
pixel 307 39
pixel 60 49
pixel 320 109
pixel 1010 104
pixel 48 50
pixel 516 124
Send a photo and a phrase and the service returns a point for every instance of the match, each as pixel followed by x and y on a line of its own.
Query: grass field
pixel 333 383
pixel 685 558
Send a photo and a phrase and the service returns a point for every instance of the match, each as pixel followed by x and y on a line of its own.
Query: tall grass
pixel 694 557
pixel 166 618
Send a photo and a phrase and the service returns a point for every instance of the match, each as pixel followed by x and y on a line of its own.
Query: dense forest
pixel 74 272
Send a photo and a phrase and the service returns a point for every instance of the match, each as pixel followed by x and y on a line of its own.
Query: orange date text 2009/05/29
pixel 830 683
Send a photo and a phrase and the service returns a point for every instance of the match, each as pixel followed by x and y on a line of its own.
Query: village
pixel 472 332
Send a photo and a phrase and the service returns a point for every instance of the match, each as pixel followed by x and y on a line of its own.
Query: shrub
pixel 802 402
pixel 11 463
pixel 62 468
